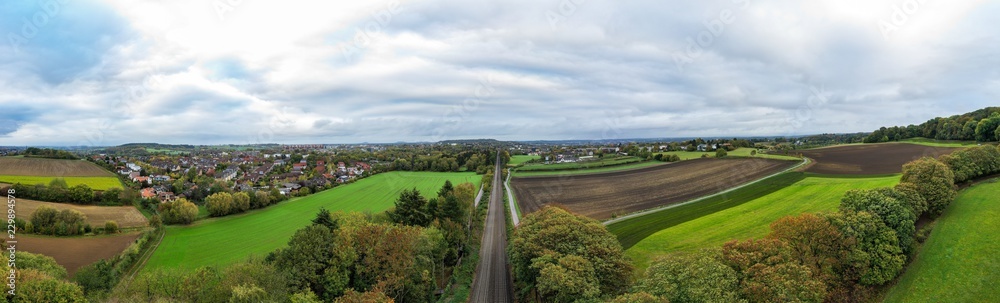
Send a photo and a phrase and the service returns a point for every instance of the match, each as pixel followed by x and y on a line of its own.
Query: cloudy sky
pixel 87 72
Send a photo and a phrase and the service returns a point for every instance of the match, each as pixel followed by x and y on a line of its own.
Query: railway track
pixel 493 282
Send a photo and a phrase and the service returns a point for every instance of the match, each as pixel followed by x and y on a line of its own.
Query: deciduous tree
pixel 933 180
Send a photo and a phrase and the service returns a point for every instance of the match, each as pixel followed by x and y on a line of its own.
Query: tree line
pixel 58 191
pixel 981 125
pixel 48 153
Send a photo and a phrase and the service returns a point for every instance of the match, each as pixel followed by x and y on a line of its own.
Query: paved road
pixel 492 282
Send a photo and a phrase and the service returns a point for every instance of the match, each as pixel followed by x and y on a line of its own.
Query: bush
pixel 100 276
pixel 49 221
pixel 721 153
pixel 111 227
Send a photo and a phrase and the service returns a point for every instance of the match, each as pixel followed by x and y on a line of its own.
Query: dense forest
pixel 982 125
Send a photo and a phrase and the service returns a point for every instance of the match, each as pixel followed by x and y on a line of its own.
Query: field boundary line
pixel 510 200
pixel 699 199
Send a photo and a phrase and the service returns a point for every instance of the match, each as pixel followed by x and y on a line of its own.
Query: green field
pixel 164 151
pixel 95 183
pixel 598 163
pixel 958 263
pixel 226 240
pixel 751 219
pixel 739 152
pixel 519 159
pixel 633 230
pixel 939 143
pixel 605 169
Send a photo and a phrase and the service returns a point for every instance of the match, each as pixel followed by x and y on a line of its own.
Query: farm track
pixel 492 282
pixel 603 196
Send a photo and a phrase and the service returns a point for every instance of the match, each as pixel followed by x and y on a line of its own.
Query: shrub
pixel 110 227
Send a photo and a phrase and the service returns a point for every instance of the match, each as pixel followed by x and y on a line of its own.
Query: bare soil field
pixel 74 253
pixel 869 159
pixel 50 168
pixel 125 216
pixel 601 196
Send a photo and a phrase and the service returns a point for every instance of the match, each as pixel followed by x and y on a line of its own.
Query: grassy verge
pixel 519 159
pixel 958 263
pixel 226 240
pixel 753 218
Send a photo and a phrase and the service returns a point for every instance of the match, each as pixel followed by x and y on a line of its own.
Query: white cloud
pixel 338 71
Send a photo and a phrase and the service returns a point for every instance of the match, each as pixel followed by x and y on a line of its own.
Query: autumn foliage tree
pixel 769 273
pixel 180 211
pixel 564 257
pixel 698 277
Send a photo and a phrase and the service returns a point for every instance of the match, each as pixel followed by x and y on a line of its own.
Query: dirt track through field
pixel 125 216
pixel 77 252
pixel 601 196
pixel 50 168
pixel 869 159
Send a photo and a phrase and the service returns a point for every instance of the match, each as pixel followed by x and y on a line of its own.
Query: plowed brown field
pixel 869 159
pixel 74 253
pixel 600 196
pixel 50 168
pixel 125 216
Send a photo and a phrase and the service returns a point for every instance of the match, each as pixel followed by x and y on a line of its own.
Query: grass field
pixel 939 143
pixel 739 152
pixel 164 151
pixel 519 173
pixel 631 231
pixel 751 219
pixel 42 171
pixel 95 183
pixel 231 239
pixel 517 160
pixel 958 263
pixel 599 163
